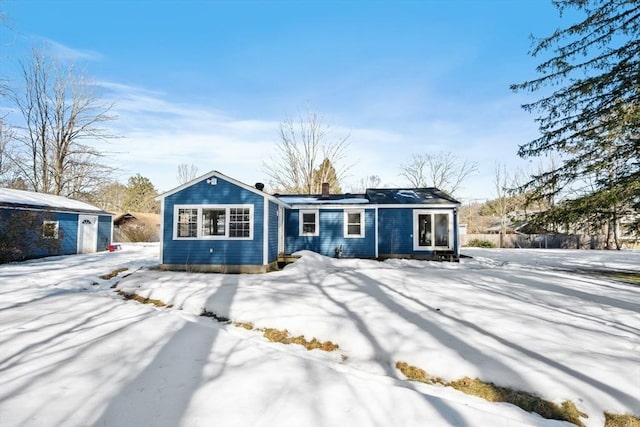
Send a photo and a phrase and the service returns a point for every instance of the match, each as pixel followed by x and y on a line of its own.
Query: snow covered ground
pixel 74 353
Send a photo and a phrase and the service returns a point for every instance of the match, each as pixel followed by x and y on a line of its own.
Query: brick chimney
pixel 325 190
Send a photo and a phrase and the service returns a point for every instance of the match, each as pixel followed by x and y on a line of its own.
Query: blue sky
pixel 208 82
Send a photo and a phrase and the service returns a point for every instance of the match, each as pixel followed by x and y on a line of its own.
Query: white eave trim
pixel 226 178
pixel 57 210
pixel 374 206
pixel 419 206
pixel 341 206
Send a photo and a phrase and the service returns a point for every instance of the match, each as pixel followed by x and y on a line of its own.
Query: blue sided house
pixel 35 225
pixel 216 223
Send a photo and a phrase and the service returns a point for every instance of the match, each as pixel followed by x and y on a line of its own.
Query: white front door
pixel 87 234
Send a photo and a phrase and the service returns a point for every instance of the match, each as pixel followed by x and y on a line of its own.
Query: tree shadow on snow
pixel 161 393
pixel 383 357
pixel 473 353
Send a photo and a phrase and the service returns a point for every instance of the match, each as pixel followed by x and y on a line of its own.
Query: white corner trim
pixel 265 232
pixel 375 219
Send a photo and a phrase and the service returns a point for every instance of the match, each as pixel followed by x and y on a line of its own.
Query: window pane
pixel 424 230
pixel 239 222
pixel 187 223
pixel 354 223
pixel 442 229
pixel 309 223
pixel 353 229
pixel 213 222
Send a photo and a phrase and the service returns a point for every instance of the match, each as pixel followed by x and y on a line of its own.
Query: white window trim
pixel 300 224
pixel 56 230
pixel 199 235
pixel 416 246
pixel 346 223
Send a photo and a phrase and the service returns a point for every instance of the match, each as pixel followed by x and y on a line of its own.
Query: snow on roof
pixel 429 195
pixel 318 200
pixel 29 198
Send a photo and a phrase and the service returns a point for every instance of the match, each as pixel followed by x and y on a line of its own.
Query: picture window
pixel 213 222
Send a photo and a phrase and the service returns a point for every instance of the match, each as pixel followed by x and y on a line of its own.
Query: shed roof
pixel 29 199
pixel 416 196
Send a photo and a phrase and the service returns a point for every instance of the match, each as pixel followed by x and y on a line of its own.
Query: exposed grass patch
pixel 633 278
pixel 282 336
pixel 143 300
pixel 494 393
pixel 113 274
pixel 247 326
pixel 417 374
pixel 620 420
pixel 277 335
pixel 525 400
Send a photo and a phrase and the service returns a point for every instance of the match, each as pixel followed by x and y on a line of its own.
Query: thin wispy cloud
pixel 164 133
pixel 401 78
pixel 67 53
pixel 160 134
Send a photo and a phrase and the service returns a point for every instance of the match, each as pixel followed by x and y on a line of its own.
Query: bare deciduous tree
pixel 62 120
pixel 110 196
pixel 186 173
pixel 414 171
pixel 442 170
pixel 501 206
pixel 371 181
pixel 305 145
pixel 6 136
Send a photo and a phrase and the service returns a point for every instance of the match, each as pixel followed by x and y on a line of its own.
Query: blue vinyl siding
pixel 68 232
pixel 33 245
pixel 395 231
pixel 331 235
pixel 25 229
pixel 68 229
pixel 273 232
pixel 225 252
